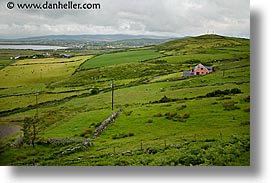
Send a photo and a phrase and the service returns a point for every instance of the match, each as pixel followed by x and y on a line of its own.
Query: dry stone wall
pixel 105 123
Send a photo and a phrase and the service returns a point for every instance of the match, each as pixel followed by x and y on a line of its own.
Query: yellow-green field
pixel 34 71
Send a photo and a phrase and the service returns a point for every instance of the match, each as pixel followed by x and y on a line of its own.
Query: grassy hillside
pixel 37 71
pixel 202 43
pixel 120 58
pixel 167 119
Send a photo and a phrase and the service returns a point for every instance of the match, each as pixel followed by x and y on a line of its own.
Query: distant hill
pixel 96 37
pixel 99 41
pixel 200 44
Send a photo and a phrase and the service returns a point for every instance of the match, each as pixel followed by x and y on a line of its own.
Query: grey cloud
pixel 158 17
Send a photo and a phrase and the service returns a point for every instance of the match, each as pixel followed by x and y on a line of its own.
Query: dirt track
pixel 6 130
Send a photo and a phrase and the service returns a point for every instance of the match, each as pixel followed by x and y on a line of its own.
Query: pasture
pixel 34 71
pixel 120 58
pixel 167 119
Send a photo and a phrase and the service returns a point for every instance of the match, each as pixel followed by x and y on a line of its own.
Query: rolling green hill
pixel 166 119
pixel 202 43
pixel 120 58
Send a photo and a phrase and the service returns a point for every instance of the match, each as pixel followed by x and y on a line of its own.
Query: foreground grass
pixel 234 151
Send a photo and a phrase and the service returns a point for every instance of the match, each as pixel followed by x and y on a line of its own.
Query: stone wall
pixel 106 122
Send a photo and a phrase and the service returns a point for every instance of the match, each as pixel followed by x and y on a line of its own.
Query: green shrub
pixel 183 106
pixel 247 109
pixel 229 105
pixel 128 113
pixel 224 98
pixel 95 124
pixel 159 61
pixel 247 99
pixel 164 99
pixel 218 93
pixel 86 133
pixel 245 123
pixel 42 140
pixel 122 135
pixel 235 91
pixel 178 118
pixel 149 121
pixel 20 156
pixel 131 134
pixel 95 91
pixel 158 115
pixel 170 115
pixel 186 115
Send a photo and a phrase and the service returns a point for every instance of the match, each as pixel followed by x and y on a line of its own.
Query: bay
pixel 32 47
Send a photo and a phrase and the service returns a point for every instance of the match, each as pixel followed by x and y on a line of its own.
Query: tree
pixel 30 130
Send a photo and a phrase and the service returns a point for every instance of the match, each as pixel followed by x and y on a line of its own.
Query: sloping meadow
pixel 167 119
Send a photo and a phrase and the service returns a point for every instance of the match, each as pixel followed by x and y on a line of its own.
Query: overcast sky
pixel 149 17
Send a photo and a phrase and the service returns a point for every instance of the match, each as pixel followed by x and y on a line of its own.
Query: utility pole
pixel 35 120
pixel 112 94
pixel 36 103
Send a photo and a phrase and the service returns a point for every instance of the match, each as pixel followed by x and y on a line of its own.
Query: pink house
pixel 201 70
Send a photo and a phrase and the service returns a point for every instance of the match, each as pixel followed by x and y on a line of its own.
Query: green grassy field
pixel 35 71
pixel 120 58
pixel 167 119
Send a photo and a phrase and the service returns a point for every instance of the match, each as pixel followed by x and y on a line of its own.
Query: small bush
pixel 186 115
pixel 158 115
pixel 226 92
pixel 224 98
pixel 179 118
pixel 128 113
pixel 42 140
pixel 159 61
pixel 149 121
pixel 218 93
pixel 20 156
pixel 170 115
pixel 164 99
pixel 95 124
pixel 95 91
pixel 122 135
pixel 183 106
pixel 235 91
pixel 229 105
pixel 247 99
pixel 210 140
pixel 245 123
pixel 131 134
pixel 86 133
pixel 247 109
pixel 176 117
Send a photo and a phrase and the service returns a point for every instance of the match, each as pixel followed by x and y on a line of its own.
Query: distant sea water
pixel 32 47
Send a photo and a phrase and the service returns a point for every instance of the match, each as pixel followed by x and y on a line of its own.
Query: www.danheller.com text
pixel 69 5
